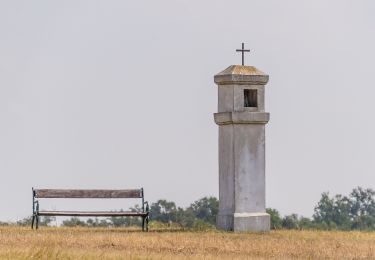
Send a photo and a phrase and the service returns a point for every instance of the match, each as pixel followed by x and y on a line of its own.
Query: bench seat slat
pixel 92 213
pixel 82 194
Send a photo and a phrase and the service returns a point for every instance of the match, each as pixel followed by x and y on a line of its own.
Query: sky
pixel 120 94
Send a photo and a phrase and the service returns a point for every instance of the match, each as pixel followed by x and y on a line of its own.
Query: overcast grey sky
pixel 120 94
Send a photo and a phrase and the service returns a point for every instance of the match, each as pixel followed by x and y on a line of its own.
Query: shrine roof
pixel 237 74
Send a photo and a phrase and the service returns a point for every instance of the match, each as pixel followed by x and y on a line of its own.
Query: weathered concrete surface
pixel 231 98
pixel 241 75
pixel 226 178
pixel 225 118
pixel 256 222
pixel 241 151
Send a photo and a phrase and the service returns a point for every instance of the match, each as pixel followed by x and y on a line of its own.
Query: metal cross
pixel 243 51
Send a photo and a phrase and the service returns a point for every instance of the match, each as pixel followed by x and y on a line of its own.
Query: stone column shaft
pixel 241 119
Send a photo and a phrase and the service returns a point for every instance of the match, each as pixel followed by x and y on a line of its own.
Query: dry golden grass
pixel 94 243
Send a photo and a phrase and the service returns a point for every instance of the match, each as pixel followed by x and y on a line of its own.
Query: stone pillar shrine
pixel 241 119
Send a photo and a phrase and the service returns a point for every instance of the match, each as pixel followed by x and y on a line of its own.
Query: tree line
pixel 355 211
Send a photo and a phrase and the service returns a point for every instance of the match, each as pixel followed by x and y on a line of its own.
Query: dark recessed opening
pixel 250 97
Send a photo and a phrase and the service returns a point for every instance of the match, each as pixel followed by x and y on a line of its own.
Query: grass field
pixel 104 243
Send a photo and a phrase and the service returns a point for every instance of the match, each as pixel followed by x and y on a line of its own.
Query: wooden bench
pixel 89 194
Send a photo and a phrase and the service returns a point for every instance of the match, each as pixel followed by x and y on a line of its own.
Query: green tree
pixel 290 222
pixel 333 212
pixel 306 223
pixel 163 211
pixel 276 221
pixel 362 208
pixel 354 212
pixel 185 218
pixel 206 209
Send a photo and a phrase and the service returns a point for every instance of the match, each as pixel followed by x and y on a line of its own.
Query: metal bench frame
pixel 89 194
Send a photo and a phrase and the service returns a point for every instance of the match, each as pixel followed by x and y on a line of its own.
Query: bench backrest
pixel 83 194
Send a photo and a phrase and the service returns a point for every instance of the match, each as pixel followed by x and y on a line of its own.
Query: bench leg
pixel 143 223
pixel 32 222
pixel 147 223
pixel 37 222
